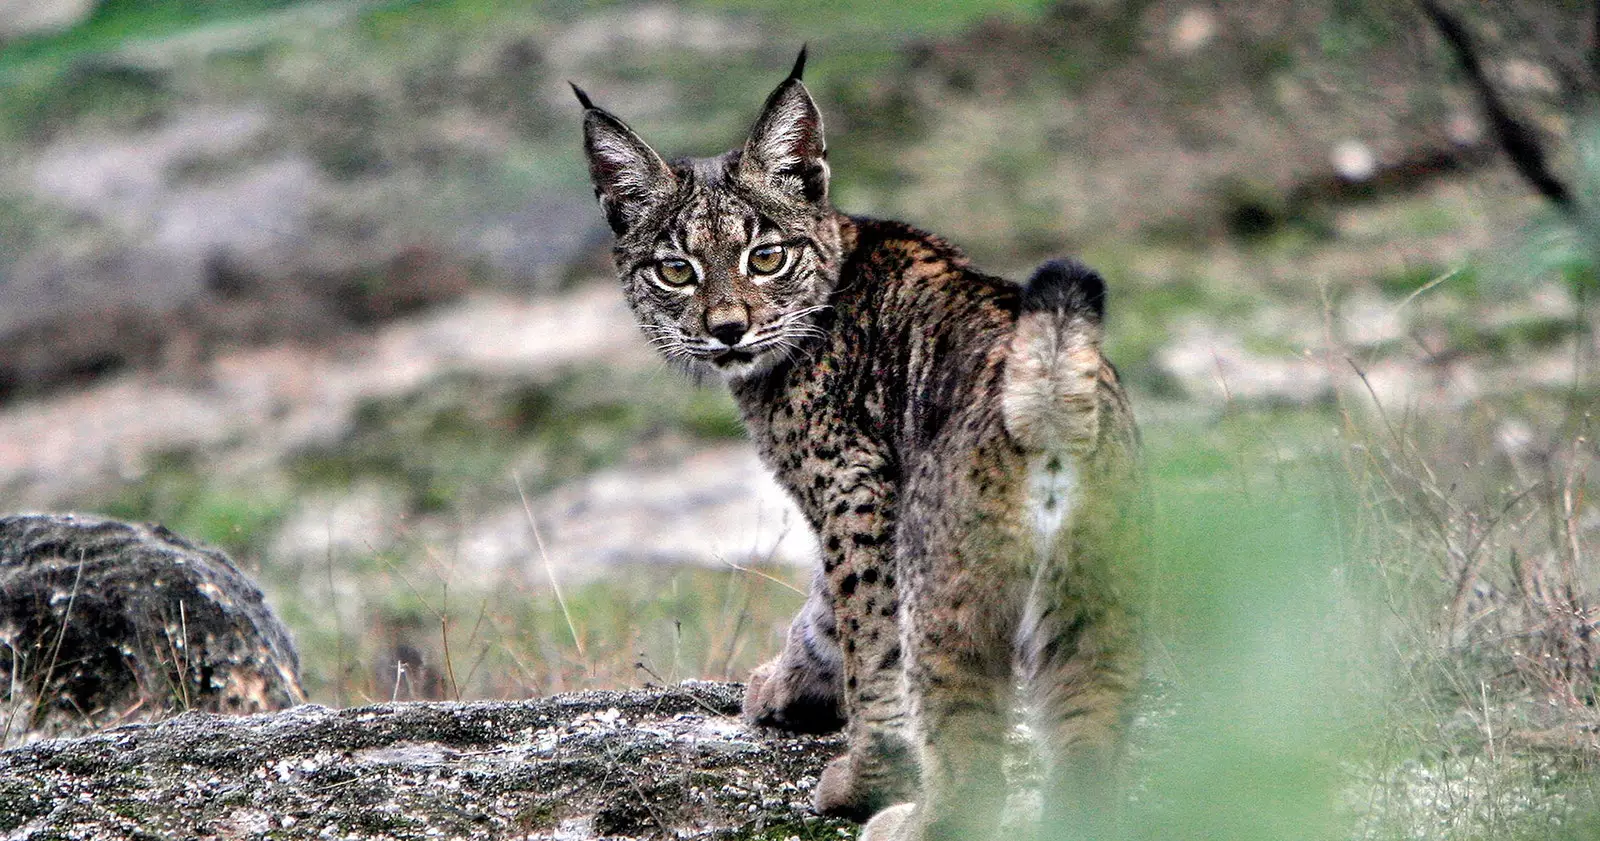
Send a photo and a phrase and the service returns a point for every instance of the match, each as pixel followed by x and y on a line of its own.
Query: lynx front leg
pixel 859 571
pixel 803 688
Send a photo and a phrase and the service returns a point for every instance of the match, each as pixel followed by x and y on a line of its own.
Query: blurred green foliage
pixel 1256 627
pixel 174 491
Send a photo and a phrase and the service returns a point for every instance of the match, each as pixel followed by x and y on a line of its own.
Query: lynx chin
pixel 958 442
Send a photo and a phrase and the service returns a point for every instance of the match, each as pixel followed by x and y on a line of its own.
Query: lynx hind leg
pixel 896 823
pixel 1080 722
pixel 959 688
pixel 1081 659
pixel 801 690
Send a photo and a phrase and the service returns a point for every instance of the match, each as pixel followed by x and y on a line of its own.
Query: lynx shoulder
pixel 957 441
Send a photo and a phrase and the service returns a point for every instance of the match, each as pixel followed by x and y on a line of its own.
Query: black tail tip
pixel 1065 285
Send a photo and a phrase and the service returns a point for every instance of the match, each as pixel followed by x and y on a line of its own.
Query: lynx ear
pixel 629 177
pixel 785 149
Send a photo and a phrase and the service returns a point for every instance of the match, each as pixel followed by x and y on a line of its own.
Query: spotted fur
pixel 958 443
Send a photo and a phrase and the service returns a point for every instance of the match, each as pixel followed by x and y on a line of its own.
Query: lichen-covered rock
pixel 658 763
pixel 103 622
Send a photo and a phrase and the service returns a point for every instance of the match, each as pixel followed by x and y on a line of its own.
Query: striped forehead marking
pixel 716 221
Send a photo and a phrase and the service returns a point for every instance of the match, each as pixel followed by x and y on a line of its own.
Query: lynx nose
pixel 729 333
pixel 728 326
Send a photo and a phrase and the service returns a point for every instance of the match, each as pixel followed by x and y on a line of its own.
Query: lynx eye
pixel 675 272
pixel 768 258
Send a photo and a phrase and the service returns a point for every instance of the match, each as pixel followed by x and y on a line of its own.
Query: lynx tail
pixel 1050 402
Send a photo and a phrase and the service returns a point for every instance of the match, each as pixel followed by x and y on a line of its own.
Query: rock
pixel 1215 366
pixel 654 763
pixel 102 622
pixel 717 506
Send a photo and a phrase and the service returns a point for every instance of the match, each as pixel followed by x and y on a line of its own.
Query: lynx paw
pixel 840 793
pixel 789 699
pixel 896 823
pixel 844 792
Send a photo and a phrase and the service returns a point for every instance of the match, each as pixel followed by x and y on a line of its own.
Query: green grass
pixel 173 490
pixel 448 443
pixel 512 638
pixel 116 22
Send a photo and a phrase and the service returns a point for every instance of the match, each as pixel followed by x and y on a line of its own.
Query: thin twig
pixel 483 610
pixel 55 651
pixel 1472 560
pixel 338 624
pixel 549 570
pixel 449 665
pixel 1572 505
pixel 13 692
pixel 184 670
pixel 1424 288
pixel 1378 404
pixel 756 572
pixel 641 666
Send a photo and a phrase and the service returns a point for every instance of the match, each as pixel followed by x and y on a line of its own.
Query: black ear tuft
pixel 583 98
pixel 785 149
pixel 799 65
pixel 1065 286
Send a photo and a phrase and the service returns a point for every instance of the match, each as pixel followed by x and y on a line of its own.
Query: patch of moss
pixel 1426 220
pixel 115 22
pixel 378 820
pixel 536 816
pixel 1581 275
pixel 710 415
pixel 1269 345
pixel 21 803
pixel 821 829
pixel 114 95
pixel 1141 320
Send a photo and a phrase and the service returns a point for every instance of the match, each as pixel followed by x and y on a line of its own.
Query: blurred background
pixel 322 282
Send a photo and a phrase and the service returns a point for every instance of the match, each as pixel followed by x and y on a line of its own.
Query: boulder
pixel 103 622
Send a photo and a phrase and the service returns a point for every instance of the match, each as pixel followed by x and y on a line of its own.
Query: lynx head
pixel 726 261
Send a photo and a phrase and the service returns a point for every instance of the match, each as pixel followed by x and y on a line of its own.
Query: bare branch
pixel 1519 141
